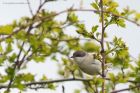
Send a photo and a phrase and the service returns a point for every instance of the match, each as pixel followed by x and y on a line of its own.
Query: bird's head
pixel 78 56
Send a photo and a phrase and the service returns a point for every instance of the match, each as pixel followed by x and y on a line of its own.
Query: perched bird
pixel 87 62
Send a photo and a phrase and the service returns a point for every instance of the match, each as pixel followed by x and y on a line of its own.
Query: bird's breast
pixel 90 68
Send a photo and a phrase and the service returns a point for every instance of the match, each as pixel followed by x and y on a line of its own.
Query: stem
pixel 14 69
pixel 63 89
pixel 102 46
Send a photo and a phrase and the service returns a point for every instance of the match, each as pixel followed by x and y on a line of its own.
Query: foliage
pixel 37 38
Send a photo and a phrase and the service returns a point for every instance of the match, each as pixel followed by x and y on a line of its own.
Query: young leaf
pixel 6 29
pixel 121 22
pixel 94 28
pixel 95 6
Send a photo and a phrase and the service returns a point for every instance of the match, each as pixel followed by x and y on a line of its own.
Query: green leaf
pixel 43 78
pixel 12 57
pixel 65 61
pixel 112 77
pixel 94 28
pixel 1 49
pixel 90 47
pixel 72 17
pixel 39 58
pixel 9 48
pixel 21 35
pixel 51 86
pixel 121 22
pixel 9 40
pixel 6 91
pixel 54 58
pixel 10 72
pixel 2 59
pixel 20 86
pixel 114 4
pixel 98 34
pixel 121 78
pixel 4 78
pixel 95 6
pixel 6 29
pixel 108 46
pixel 77 91
pixel 61 72
pixel 33 42
pixel 28 77
pixel 137 16
pixel 80 26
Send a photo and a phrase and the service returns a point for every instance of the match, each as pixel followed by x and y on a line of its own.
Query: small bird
pixel 87 62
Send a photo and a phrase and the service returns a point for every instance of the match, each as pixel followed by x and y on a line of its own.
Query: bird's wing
pixel 96 62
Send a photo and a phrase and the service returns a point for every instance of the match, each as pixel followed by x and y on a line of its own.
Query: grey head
pixel 78 54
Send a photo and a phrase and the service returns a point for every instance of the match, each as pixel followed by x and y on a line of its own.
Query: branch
pixel 102 45
pixel 95 11
pixel 112 50
pixel 23 58
pixel 48 82
pixel 17 61
pixel 63 89
pixel 68 10
pixel 28 24
pixel 14 68
pixel 57 81
pixel 125 89
pixel 30 9
pixel 15 3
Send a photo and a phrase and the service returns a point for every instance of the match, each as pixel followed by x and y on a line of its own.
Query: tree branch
pixel 18 56
pixel 14 68
pixel 53 15
pixel 125 89
pixel 47 82
pixel 30 9
pixel 102 45
pixel 57 81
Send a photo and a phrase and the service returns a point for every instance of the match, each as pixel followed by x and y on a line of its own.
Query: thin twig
pixel 14 3
pixel 14 68
pixel 23 58
pixel 106 25
pixel 57 81
pixel 125 89
pixel 63 89
pixel 113 49
pixel 53 15
pixel 17 61
pixel 30 9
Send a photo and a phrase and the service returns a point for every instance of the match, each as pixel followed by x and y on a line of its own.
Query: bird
pixel 87 62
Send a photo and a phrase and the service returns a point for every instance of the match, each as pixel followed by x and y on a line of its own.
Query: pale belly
pixel 91 69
